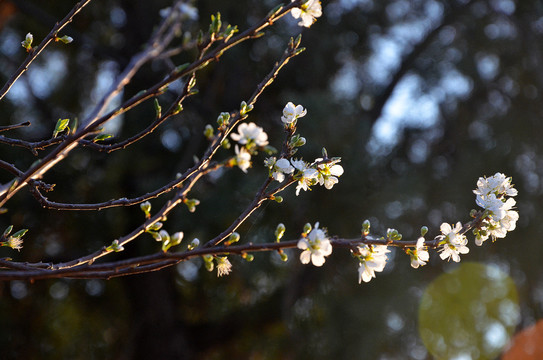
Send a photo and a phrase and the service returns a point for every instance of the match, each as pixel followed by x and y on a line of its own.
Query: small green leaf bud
pixel 223 119
pixel 65 39
pixel 278 199
pixel 19 234
pixel 115 246
pixel 164 236
pixel 191 204
pixel 324 153
pixel 155 226
pixel 146 208
pixel 177 238
pixel 366 227
pixel 194 244
pixel 423 231
pixel 7 231
pixel 27 42
pixel 233 238
pixel 244 108
pixel 158 108
pixel 216 24
pixel 226 144
pixel 248 257
pixel 62 124
pixel 284 257
pixel 102 137
pixel 307 228
pixel 279 231
pixel 192 82
pixel 208 261
pixel 209 132
pixel 182 67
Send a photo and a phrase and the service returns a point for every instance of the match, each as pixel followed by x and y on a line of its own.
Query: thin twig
pixel 33 54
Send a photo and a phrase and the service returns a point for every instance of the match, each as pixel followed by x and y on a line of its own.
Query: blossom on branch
pixel 279 168
pixel 249 134
pixel 292 112
pixel 224 267
pixel 316 246
pixel 307 12
pixel 419 255
pixel 243 158
pixel 306 175
pixel 453 243
pixel 372 258
pixel 329 172
pixel 492 195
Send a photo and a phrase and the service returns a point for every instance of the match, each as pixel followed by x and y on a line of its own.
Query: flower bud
pixel 248 257
pixel 279 231
pixel 194 244
pixel 155 227
pixel 366 227
pixel 146 208
pixel 233 238
pixel 177 238
pixel 208 132
pixel 191 204
pixel 65 39
pixel 115 246
pixel 423 231
pixel 27 42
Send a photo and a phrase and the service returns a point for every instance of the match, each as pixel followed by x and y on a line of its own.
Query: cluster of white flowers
pixel 249 136
pixel 316 245
pixel 372 258
pixel 320 172
pixel 492 195
pixel 307 13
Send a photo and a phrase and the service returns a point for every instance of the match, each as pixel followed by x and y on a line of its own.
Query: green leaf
pixel 158 108
pixel 102 137
pixel 7 231
pixel 62 124
pixel 20 233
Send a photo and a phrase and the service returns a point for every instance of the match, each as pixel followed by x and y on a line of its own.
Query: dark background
pixel 419 98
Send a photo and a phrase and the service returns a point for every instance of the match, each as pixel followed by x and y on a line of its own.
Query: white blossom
pixel 307 175
pixel 329 173
pixel 292 112
pixel 282 167
pixel 307 13
pixel 224 267
pixel 419 256
pixel 316 246
pixel 453 243
pixel 372 258
pixel 498 184
pixel 491 195
pixel 250 134
pixel 243 158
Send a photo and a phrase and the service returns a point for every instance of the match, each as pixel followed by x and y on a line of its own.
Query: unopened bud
pixel 194 244
pixel 279 231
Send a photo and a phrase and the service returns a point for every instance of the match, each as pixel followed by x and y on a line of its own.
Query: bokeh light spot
pixel 469 313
